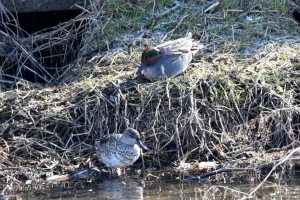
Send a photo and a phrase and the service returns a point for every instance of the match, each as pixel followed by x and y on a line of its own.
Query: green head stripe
pixel 152 53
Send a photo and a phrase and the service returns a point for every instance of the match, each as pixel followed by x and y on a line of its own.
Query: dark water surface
pixel 169 186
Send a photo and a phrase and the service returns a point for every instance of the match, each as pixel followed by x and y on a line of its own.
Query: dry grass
pixel 243 87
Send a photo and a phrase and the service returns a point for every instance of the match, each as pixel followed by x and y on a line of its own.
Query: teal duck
pixel 120 150
pixel 168 59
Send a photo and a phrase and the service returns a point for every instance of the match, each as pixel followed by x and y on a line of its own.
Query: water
pixel 169 186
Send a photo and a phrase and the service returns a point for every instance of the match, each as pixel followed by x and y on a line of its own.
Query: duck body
pixel 121 150
pixel 168 59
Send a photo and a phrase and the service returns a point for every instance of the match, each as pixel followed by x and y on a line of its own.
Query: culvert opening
pixel 37 21
pixel 38 47
pixel 296 15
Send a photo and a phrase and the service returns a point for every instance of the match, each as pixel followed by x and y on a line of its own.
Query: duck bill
pixel 142 146
pixel 142 67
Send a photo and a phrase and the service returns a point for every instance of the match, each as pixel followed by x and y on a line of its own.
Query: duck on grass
pixel 168 59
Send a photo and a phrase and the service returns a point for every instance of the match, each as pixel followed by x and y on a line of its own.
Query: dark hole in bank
pixel 296 15
pixel 53 57
pixel 33 22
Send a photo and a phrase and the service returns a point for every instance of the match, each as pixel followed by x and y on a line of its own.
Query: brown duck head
pixel 149 57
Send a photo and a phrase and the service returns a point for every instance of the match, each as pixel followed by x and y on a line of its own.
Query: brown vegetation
pixel 243 87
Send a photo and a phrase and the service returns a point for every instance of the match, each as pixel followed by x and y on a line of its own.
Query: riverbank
pixel 242 89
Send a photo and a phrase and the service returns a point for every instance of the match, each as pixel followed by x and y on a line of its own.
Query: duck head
pixel 131 136
pixel 149 57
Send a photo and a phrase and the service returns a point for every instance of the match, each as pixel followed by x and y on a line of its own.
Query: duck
pixel 168 59
pixel 120 150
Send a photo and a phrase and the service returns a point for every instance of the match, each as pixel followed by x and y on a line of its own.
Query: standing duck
pixel 121 150
pixel 168 59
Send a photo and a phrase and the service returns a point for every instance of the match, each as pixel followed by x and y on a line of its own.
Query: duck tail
pixel 97 145
pixel 189 35
pixel 197 49
pixel 98 149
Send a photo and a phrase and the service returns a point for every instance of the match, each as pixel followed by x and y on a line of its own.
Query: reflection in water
pixel 120 190
pixel 169 186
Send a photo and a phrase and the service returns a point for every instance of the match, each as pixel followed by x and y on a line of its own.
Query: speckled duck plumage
pixel 121 150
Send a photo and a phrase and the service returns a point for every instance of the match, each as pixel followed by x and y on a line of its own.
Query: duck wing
pixel 176 47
